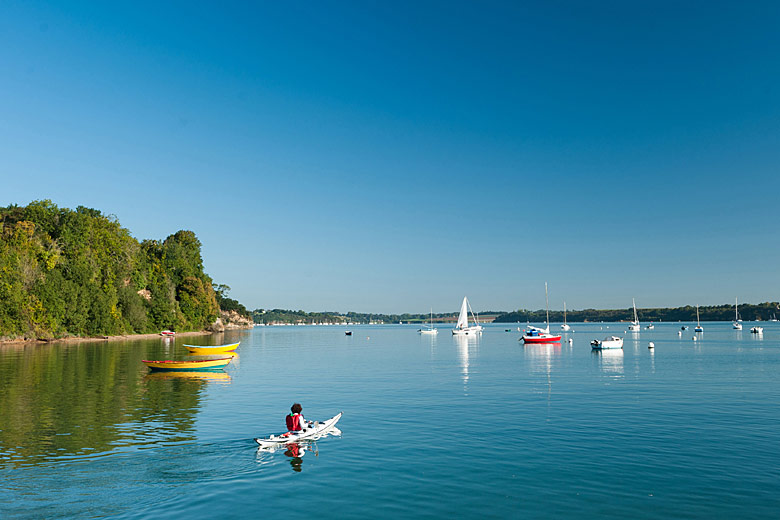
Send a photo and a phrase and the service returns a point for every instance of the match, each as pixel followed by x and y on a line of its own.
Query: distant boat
pixel 188 366
pixel 737 325
pixel 538 334
pixel 607 343
pixel 698 327
pixel 200 349
pixel 462 328
pixel 650 327
pixel 684 327
pixel 757 330
pixel 634 327
pixel 430 329
pixel 167 333
pixel 565 325
pixel 347 332
pixel 773 318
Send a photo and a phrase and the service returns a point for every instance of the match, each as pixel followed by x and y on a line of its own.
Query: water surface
pixel 432 427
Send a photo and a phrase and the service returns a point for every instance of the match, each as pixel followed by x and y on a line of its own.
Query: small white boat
pixel 773 318
pixel 565 325
pixel 737 325
pixel 698 327
pixel 650 327
pixel 462 328
pixel 757 330
pixel 607 343
pixel 430 330
pixel 634 327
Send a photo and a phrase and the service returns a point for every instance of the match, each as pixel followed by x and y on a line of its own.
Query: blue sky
pixel 395 156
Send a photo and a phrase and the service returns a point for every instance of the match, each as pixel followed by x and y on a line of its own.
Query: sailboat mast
pixel 564 313
pixel 736 310
pixel 547 303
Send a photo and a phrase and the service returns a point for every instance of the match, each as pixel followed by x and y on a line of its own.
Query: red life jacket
pixel 294 422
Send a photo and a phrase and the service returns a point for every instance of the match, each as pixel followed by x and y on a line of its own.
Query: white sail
pixel 463 318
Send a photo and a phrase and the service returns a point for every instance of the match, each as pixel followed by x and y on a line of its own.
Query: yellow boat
pixel 199 364
pixel 202 349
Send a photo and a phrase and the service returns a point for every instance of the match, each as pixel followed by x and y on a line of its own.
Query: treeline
pixel 272 316
pixel 762 311
pixel 79 273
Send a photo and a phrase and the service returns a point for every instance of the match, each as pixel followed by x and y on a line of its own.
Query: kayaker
pixel 295 421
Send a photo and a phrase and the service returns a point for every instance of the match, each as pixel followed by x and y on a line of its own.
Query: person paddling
pixel 295 421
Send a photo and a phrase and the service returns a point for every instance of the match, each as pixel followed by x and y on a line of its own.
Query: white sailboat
pixel 634 327
pixel 462 328
pixel 430 329
pixel 737 325
pixel 698 328
pixel 565 325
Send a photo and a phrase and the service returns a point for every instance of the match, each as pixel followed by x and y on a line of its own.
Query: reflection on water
pixel 66 400
pixel 610 361
pixel 468 347
pixel 540 357
pixel 294 450
pixel 218 376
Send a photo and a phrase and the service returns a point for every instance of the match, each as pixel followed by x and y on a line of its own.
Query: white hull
pixel 634 328
pixel 737 326
pixel 311 433
pixel 429 331
pixel 607 343
pixel 757 330
pixel 565 327
pixel 468 331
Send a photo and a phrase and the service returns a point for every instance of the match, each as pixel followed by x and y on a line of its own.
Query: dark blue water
pixel 432 427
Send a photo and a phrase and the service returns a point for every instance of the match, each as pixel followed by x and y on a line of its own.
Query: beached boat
pixel 218 349
pixel 698 327
pixel 538 334
pixel 565 325
pixel 194 365
pixel 167 333
pixel 430 329
pixel 634 326
pixel 607 343
pixel 462 328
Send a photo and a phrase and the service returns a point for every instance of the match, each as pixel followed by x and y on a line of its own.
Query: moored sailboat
pixel 634 327
pixel 698 327
pixel 538 334
pixel 565 325
pixel 430 329
pixel 462 328
pixel 737 325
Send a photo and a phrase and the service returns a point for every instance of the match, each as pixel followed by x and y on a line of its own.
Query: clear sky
pixel 396 156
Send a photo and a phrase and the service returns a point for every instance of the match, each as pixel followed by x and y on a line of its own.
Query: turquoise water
pixel 432 426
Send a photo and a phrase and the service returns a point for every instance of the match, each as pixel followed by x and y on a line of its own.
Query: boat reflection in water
pixel 214 376
pixel 541 356
pixel 294 450
pixel 468 347
pixel 610 361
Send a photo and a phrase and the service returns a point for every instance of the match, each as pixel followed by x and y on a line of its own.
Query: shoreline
pixel 94 339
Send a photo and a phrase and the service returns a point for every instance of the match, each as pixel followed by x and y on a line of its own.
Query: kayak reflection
pixel 295 450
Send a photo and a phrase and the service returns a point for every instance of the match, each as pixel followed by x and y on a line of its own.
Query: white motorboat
pixel 607 343
pixel 757 330
pixel 565 325
pixel 650 327
pixel 431 329
pixel 698 327
pixel 737 325
pixel 462 328
pixel 634 326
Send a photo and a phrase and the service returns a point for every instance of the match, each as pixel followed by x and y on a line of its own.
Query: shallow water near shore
pixel 432 427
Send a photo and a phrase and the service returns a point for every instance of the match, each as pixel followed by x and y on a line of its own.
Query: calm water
pixel 432 427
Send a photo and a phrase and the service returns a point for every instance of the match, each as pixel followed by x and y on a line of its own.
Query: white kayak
pixel 312 432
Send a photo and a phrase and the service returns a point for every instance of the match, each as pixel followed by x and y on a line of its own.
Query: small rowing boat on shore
pixel 167 333
pixel 218 349
pixel 194 365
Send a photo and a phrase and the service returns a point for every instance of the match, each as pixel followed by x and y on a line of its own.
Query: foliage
pixel 79 273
